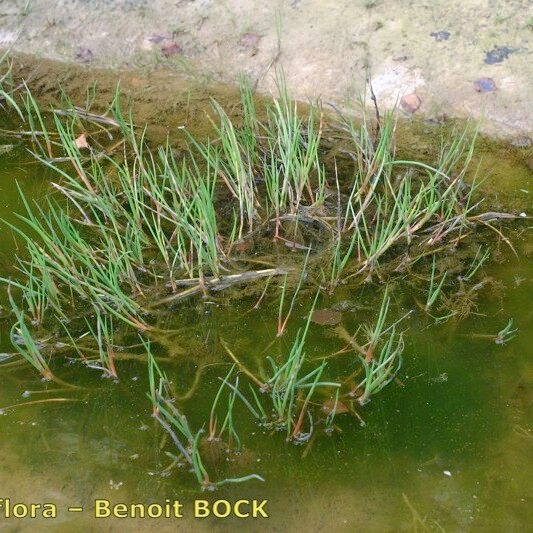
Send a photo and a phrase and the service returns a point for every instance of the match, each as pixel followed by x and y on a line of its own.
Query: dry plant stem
pixel 245 370
pixel 38 402
pixel 218 283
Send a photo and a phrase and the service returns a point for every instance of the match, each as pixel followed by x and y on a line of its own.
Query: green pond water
pixel 449 450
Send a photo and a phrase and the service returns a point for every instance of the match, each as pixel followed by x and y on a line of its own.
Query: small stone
pixel 447 473
pixel 158 38
pixel 484 85
pixel 497 55
pixel 410 102
pixel 249 40
pixel 81 141
pixel 171 49
pixel 83 54
pixel 440 35
pixel 523 215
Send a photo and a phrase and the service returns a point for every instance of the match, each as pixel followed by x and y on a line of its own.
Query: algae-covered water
pixel 447 446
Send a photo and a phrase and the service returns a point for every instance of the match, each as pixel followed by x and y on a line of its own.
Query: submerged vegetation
pixel 315 201
pixel 177 426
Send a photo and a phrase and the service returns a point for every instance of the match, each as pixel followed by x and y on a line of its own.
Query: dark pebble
pixel 83 54
pixel 440 35
pixel 497 55
pixel 156 39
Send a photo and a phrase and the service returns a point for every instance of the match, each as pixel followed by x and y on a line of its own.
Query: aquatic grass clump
pixel 235 162
pixel 26 346
pixel 104 336
pixel 70 264
pixel 286 385
pixel 177 426
pixel 506 334
pixel 228 423
pixel 288 390
pixel 292 156
pixel 289 394
pixel 133 228
pixel 379 348
pixel 391 203
pixel 282 321
pixel 435 287
pixel 381 370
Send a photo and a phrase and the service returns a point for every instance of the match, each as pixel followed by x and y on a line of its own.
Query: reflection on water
pixel 447 448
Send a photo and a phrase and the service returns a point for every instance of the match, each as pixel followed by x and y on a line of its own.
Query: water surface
pixel 448 448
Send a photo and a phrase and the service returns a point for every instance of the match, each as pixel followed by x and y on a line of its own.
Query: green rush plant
pixel 506 334
pixel 282 322
pixel 129 220
pixel 478 261
pixel 228 423
pixel 286 383
pixel 379 352
pixel 103 334
pixel 381 370
pixel 177 426
pixel 24 343
pixel 435 287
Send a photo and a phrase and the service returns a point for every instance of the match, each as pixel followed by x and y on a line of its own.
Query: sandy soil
pixel 459 58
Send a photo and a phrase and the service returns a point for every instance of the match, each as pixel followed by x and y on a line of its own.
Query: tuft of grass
pixel 26 346
pixel 282 321
pixel 228 424
pixel 381 370
pixel 288 390
pixel 435 287
pixel 177 426
pixel 478 261
pixel 129 219
pixel 379 352
pixel 104 337
pixel 506 334
pixel 287 384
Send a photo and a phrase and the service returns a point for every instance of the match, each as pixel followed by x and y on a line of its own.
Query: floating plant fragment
pixel 326 317
pixel 506 334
